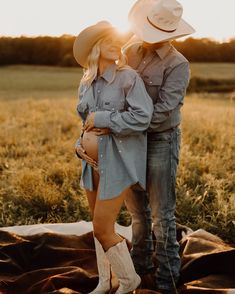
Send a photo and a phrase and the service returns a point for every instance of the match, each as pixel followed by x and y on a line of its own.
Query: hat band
pixel 167 31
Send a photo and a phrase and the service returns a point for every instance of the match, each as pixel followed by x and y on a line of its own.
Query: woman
pixel 116 110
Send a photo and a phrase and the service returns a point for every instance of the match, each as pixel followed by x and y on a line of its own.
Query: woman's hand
pixel 90 125
pixel 100 132
pixel 81 153
pixel 90 122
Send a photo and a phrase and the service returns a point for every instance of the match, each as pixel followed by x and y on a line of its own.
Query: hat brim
pixel 148 33
pixel 85 41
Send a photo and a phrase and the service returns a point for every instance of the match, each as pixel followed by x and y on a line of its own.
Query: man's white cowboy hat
pixel 88 37
pixel 155 21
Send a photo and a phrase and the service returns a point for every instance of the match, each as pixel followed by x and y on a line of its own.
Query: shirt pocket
pixel 153 85
pixel 113 103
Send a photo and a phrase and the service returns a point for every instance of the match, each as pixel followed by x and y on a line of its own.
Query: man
pixel 166 75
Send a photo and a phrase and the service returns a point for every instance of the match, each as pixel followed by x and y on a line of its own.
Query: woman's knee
pixel 102 231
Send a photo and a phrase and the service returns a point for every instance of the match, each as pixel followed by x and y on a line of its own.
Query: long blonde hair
pixel 93 58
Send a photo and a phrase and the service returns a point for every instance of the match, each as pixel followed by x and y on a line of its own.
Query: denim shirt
pixel 166 74
pixel 121 103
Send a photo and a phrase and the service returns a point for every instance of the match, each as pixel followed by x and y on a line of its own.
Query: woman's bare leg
pixel 105 215
pixel 103 263
pixel 117 253
pixel 91 195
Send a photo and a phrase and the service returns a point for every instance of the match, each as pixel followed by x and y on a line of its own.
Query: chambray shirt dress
pixel 121 103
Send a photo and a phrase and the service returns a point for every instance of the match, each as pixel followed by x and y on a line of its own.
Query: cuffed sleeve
pixel 102 119
pixel 81 110
pixel 82 107
pixel 135 118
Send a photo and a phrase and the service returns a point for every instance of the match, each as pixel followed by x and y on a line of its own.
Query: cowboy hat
pixel 88 37
pixel 155 21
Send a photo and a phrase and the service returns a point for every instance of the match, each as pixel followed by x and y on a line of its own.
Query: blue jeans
pixel 163 158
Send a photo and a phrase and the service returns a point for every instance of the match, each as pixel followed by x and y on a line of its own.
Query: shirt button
pixel 113 109
pixel 101 155
pixel 120 141
pixel 102 171
pixel 98 91
pixel 101 139
pixel 120 151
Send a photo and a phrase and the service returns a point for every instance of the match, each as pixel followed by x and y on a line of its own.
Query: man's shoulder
pixel 175 57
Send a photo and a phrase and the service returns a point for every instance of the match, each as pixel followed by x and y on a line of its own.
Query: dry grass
pixel 39 173
pixel 206 178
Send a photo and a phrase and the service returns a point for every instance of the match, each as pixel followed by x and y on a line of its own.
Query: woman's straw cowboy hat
pixel 155 21
pixel 88 37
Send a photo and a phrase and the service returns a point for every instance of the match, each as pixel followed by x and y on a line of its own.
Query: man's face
pixel 152 46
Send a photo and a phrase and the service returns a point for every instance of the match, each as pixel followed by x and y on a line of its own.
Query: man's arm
pixel 171 93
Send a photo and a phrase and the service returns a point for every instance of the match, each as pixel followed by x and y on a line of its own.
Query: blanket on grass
pixel 51 262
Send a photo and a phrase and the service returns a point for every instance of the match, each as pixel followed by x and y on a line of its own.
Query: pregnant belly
pixel 90 144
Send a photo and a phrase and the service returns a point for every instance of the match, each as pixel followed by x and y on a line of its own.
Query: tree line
pixel 57 51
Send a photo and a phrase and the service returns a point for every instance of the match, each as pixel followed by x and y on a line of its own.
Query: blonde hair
pixel 93 58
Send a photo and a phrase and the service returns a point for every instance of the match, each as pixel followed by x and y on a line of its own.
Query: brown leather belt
pixel 153 134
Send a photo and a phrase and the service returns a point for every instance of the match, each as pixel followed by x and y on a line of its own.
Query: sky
pixel 211 18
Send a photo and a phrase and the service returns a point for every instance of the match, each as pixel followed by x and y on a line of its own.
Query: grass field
pixel 213 70
pixel 39 173
pixel 46 82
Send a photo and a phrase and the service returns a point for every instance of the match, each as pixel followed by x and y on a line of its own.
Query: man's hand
pixel 81 153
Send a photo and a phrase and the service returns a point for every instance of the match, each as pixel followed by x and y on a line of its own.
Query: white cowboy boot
pixel 122 265
pixel 104 269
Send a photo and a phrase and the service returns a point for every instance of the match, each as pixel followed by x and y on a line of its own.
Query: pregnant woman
pixel 116 111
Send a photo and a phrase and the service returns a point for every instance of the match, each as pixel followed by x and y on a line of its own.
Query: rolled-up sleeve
pixel 81 107
pixel 135 118
pixel 171 93
pixel 80 112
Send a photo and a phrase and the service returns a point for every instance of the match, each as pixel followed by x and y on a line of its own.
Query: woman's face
pixel 110 49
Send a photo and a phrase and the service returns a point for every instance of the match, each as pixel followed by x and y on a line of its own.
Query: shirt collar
pixel 161 51
pixel 109 73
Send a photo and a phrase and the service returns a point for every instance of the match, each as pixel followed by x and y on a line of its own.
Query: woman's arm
pixel 136 118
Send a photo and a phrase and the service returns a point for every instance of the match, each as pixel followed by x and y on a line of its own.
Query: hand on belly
pixel 90 144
